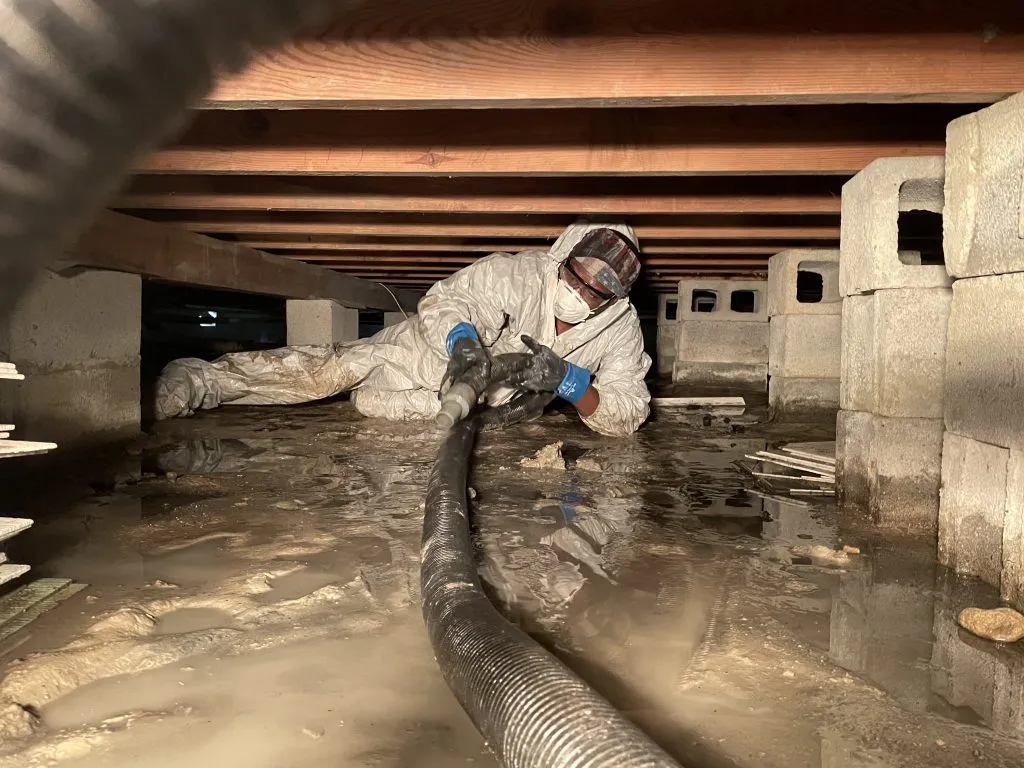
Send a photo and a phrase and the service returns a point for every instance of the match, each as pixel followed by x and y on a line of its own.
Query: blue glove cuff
pixel 574 385
pixel 461 331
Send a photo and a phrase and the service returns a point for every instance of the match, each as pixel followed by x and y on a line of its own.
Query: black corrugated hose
pixel 531 709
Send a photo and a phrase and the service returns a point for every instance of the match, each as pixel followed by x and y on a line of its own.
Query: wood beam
pixel 650 142
pixel 437 250
pixel 465 53
pixel 611 197
pixel 126 244
pixel 277 225
pixel 398 263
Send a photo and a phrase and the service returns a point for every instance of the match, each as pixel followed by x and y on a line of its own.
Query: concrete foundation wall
pixel 890 467
pixel 869 243
pixel 320 322
pixel 393 318
pixel 984 229
pixel 801 395
pixel 76 338
pixel 894 352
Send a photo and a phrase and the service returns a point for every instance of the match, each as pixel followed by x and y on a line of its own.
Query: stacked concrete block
pixel 894 321
pixel 393 318
pixel 804 331
pixel 723 333
pixel 320 322
pixel 981 524
pixel 668 332
pixel 76 339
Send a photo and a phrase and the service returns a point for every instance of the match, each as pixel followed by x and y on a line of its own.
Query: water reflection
pixel 639 572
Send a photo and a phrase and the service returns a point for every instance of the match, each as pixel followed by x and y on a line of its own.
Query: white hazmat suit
pixel 397 373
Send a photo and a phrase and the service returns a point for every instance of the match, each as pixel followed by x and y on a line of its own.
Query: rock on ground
pixel 1004 625
pixel 548 457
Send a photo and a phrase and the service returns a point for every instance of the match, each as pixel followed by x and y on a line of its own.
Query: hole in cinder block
pixel 810 287
pixel 743 301
pixel 919 239
pixel 704 301
pixel 671 309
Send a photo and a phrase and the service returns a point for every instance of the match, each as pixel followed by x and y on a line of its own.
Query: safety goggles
pixel 606 262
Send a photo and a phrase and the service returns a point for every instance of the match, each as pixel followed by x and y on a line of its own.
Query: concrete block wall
pixel 668 332
pixel 805 319
pixel 320 322
pixel 895 317
pixel 77 339
pixel 981 523
pixel 719 343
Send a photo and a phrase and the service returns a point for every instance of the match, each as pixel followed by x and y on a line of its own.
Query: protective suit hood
pixel 563 246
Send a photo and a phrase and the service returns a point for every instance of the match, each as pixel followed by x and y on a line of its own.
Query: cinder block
pixel 894 352
pixel 719 297
pixel 67 323
pixel 802 395
pixel 709 341
pixel 320 322
pixel 1012 577
pixel 668 331
pixel 985 362
pixel 70 407
pixel 784 276
pixel 983 230
pixel 394 318
pixel 720 374
pixel 870 259
pixel 805 346
pixel 973 507
pixel 891 467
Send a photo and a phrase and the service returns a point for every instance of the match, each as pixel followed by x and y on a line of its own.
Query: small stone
pixel 1004 625
pixel 940 743
pixel 789 673
pixel 172 476
pixel 314 733
pixel 848 550
pixel 589 465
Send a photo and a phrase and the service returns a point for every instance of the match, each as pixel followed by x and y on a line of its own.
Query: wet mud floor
pixel 254 601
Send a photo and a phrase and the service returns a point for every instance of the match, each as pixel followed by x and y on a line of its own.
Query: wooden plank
pixel 455 260
pixel 681 402
pixel 467 53
pixel 814 456
pixel 838 140
pixel 802 478
pixel 128 244
pixel 279 225
pixel 12 526
pixel 792 463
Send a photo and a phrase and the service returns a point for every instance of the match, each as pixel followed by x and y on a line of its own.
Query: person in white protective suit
pixel 568 306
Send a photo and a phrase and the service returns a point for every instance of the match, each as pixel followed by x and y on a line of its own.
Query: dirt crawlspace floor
pixel 254 601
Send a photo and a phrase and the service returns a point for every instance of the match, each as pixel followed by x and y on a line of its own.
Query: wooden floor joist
pixel 838 140
pixel 464 53
pixel 159 251
pixel 574 197
pixel 280 225
pixel 485 248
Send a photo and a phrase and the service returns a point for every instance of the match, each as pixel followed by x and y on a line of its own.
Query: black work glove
pixel 466 353
pixel 547 372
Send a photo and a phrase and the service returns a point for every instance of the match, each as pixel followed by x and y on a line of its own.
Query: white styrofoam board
pixel 12 526
pixel 10 571
pixel 11 376
pixel 9 448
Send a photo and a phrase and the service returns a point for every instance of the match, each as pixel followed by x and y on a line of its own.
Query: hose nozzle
pixel 456 404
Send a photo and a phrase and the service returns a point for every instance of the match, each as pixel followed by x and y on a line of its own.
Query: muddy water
pixel 254 601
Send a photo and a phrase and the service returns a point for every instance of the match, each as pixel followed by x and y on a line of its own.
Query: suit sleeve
pixel 619 379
